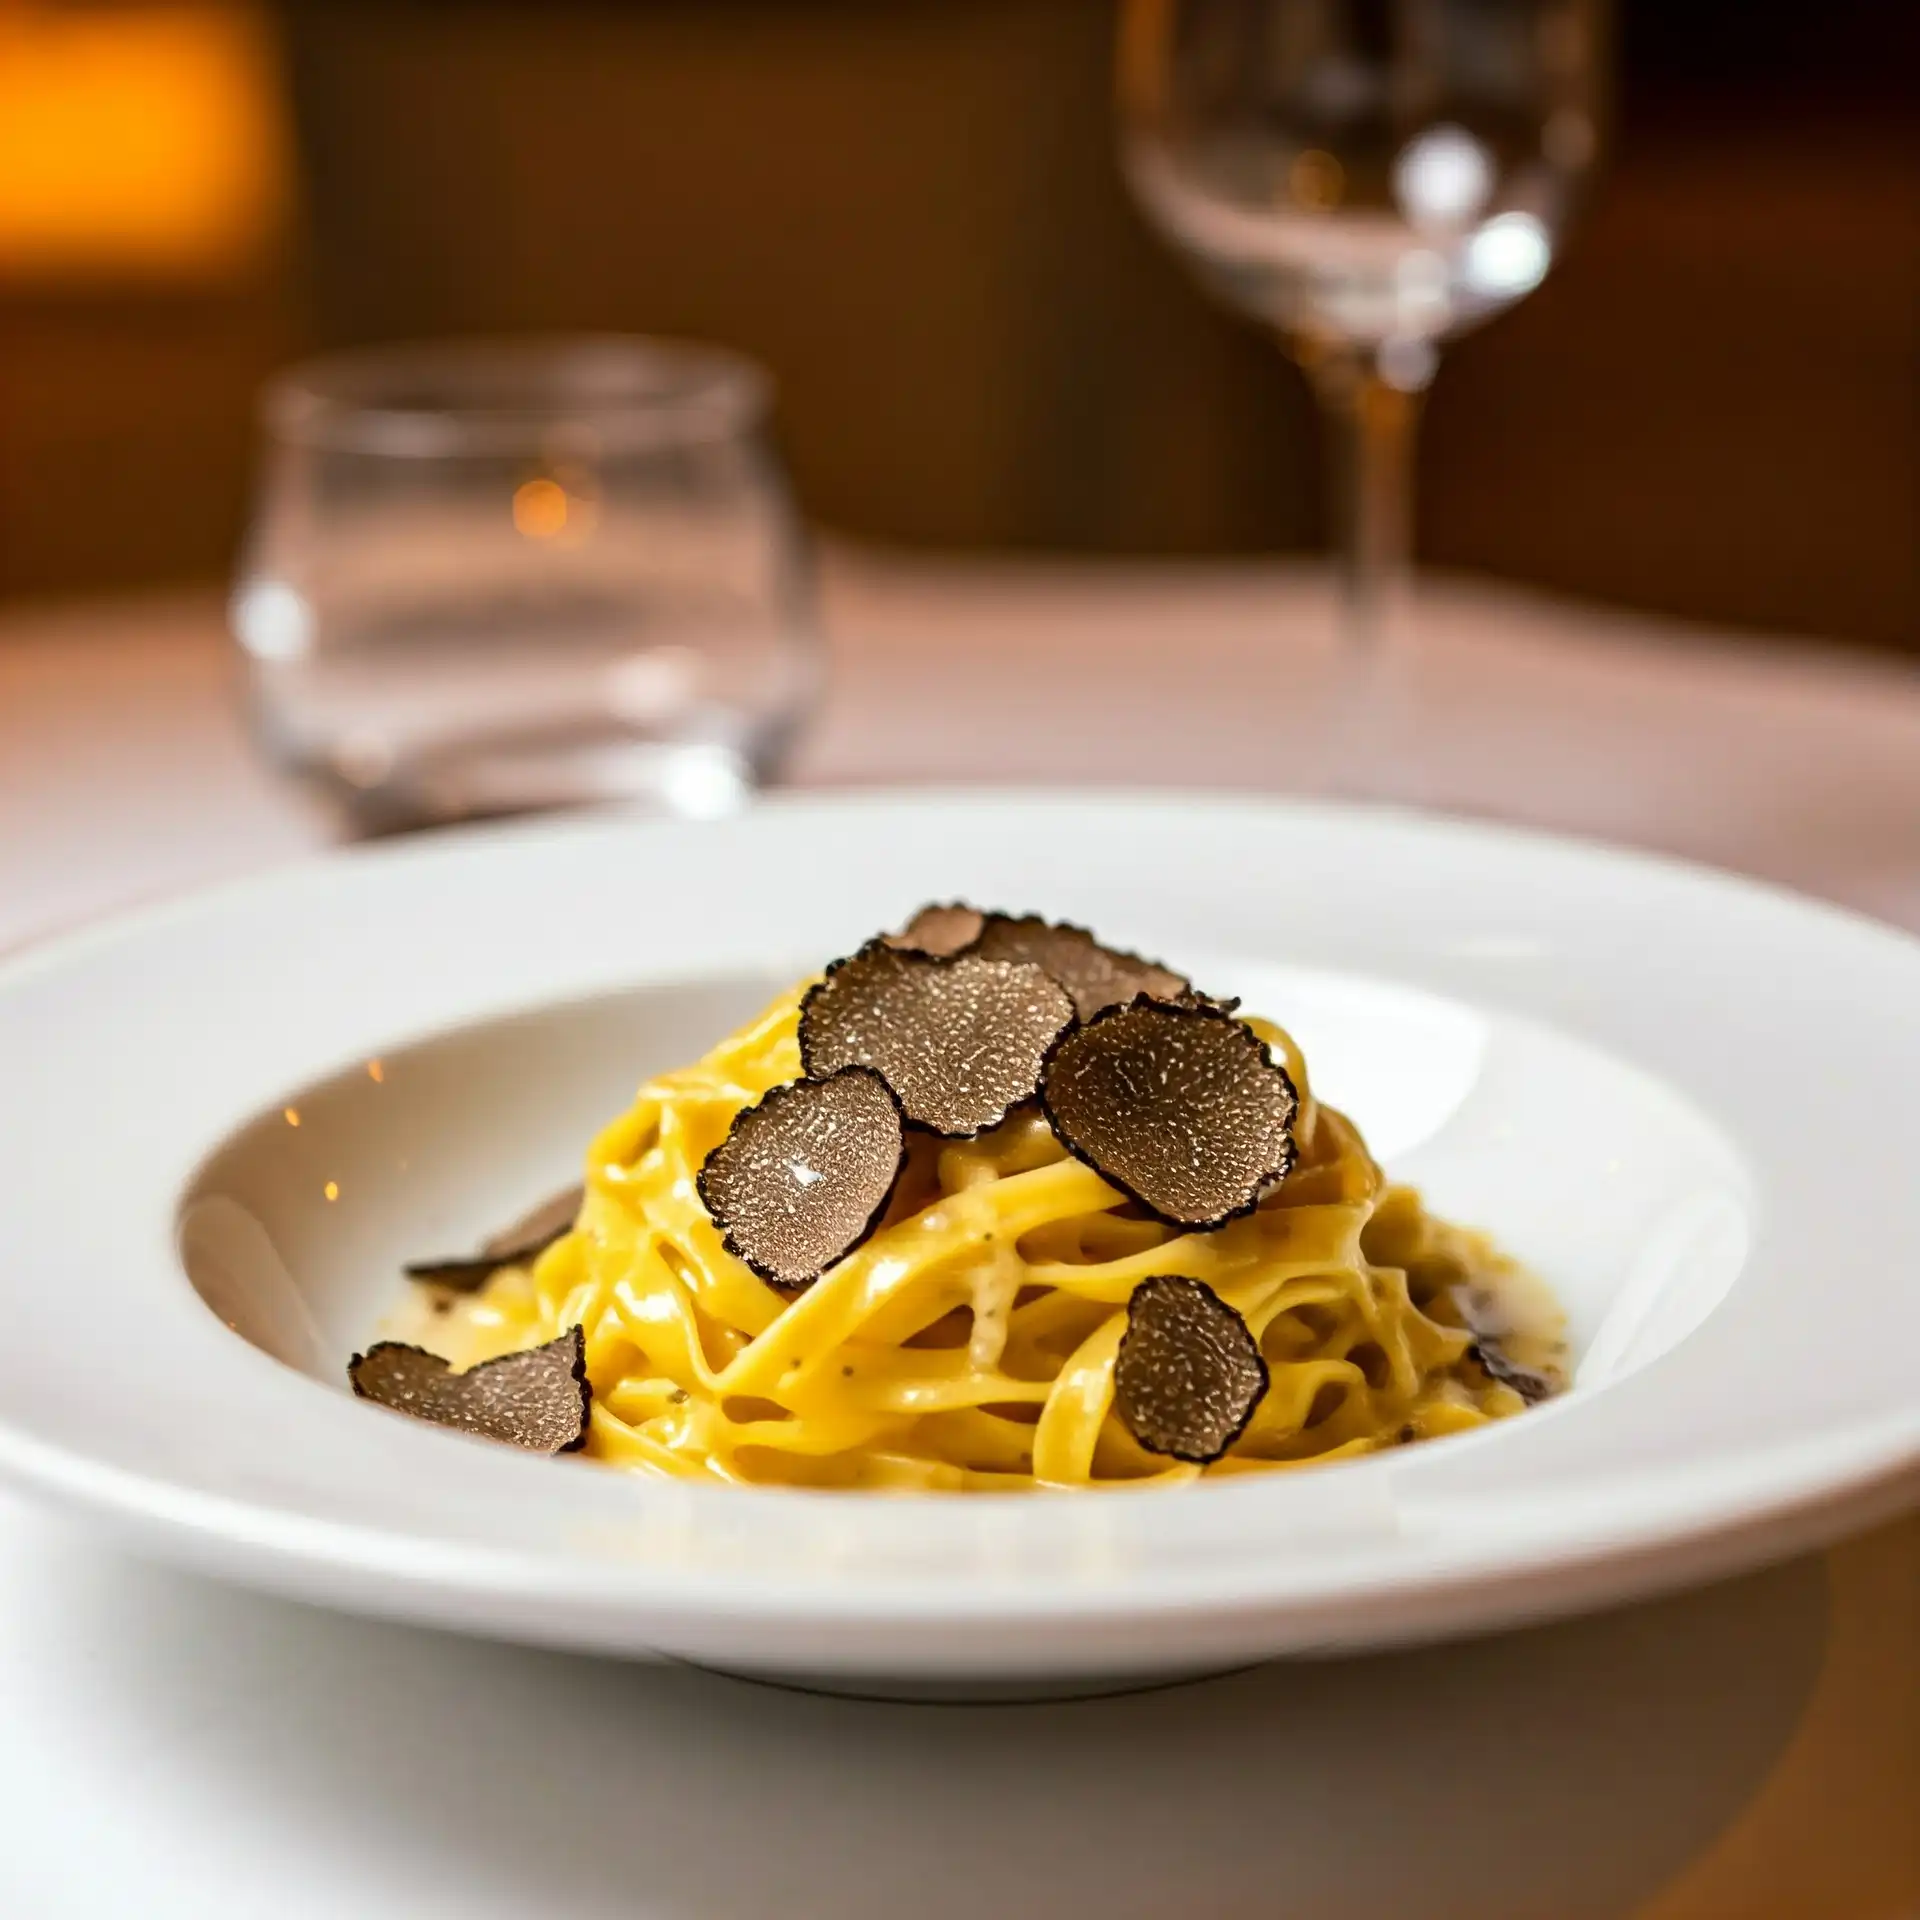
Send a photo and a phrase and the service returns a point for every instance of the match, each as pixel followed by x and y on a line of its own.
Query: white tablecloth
pixel 171 1748
pixel 125 773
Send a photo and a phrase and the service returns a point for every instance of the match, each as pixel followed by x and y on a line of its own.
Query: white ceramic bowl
pixel 1692 1103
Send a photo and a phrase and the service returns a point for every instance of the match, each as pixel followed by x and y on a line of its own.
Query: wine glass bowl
pixel 1358 173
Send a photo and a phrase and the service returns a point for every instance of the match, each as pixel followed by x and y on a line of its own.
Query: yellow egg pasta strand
pixel 969 1343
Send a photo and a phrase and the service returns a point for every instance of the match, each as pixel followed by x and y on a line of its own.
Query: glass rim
pixel 483 395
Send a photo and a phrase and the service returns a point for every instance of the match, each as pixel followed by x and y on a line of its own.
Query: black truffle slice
pixel 940 929
pixel 804 1176
pixel 960 1041
pixel 1097 976
pixel 1499 1365
pixel 1488 1348
pixel 538 1399
pixel 1180 1107
pixel 513 1246
pixel 1189 1373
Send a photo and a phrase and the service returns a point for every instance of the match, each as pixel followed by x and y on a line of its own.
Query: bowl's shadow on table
pixel 1567 1770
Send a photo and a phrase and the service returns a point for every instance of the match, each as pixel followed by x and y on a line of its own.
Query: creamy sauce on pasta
pixel 969 1344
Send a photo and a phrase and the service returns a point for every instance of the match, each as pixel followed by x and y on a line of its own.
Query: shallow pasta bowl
pixel 1691 1103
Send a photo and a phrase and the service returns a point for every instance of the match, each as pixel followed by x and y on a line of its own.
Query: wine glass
pixel 1369 178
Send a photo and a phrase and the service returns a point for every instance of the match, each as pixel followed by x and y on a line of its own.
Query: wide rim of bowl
pixel 269 983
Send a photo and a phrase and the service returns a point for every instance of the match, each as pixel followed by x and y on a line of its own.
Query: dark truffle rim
pixel 1184 1011
pixel 942 960
pixel 1259 1361
pixel 1486 1352
pixel 1123 954
pixel 1193 997
pixel 576 1371
pixel 793 1288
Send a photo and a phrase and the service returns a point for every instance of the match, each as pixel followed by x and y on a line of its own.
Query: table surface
pixel 1752 1748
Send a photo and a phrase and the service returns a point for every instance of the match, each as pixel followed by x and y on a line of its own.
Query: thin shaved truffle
pixel 1499 1365
pixel 513 1246
pixel 1489 1350
pixel 960 1041
pixel 1189 1373
pixel 538 1400
pixel 940 929
pixel 1180 1107
pixel 804 1176
pixel 1096 975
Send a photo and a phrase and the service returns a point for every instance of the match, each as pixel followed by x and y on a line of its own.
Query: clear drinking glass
pixel 1369 178
pixel 484 578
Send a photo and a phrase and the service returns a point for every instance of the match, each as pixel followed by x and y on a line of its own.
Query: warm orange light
pixel 292 1116
pixel 332 1189
pixel 376 1072
pixel 1316 180
pixel 141 139
pixel 540 509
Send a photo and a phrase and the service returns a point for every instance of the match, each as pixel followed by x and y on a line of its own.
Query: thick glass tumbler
pixel 486 578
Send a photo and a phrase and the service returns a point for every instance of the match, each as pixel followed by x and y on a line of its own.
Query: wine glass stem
pixel 1371 425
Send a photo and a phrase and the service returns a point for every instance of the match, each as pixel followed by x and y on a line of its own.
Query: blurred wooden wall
pixel 909 208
